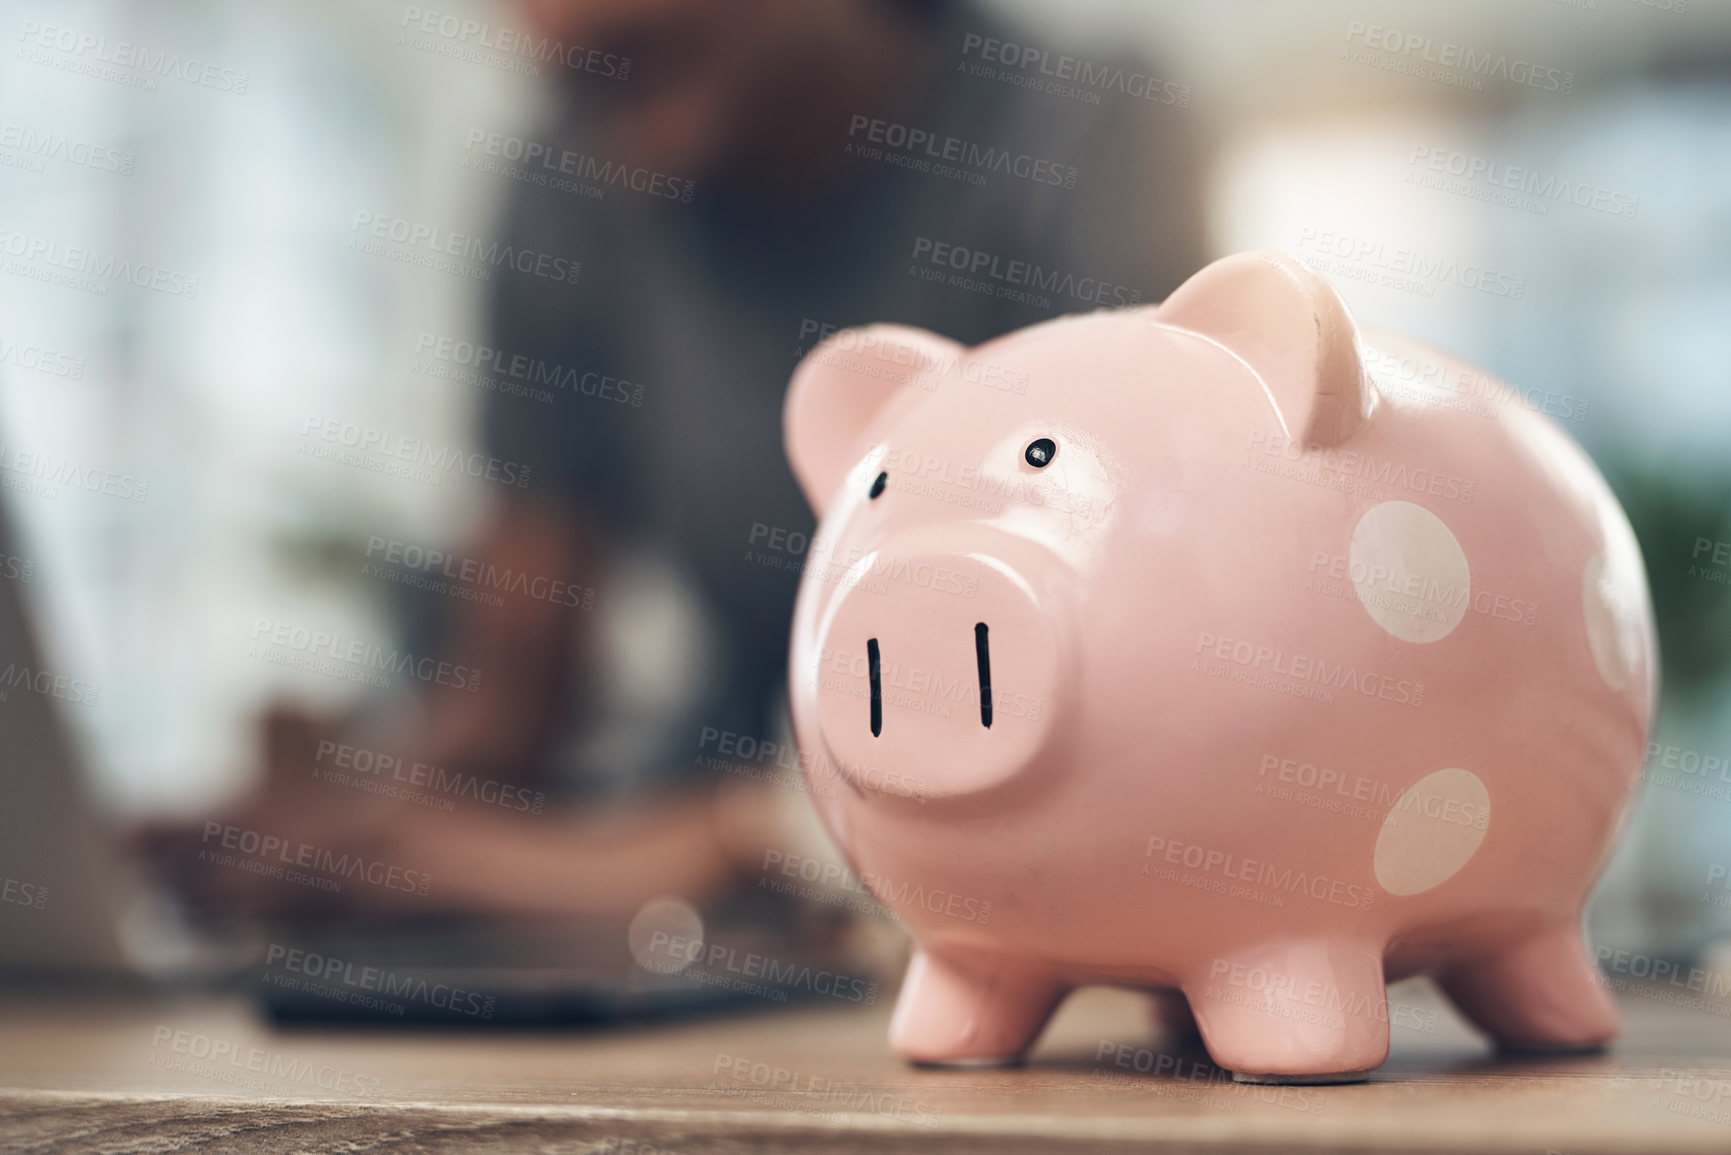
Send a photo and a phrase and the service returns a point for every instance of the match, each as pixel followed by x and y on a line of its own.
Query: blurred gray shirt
pixel 664 366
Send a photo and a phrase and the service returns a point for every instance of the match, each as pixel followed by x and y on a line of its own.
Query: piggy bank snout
pixel 936 671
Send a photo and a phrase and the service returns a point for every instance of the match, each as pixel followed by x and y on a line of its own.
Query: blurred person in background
pixel 778 118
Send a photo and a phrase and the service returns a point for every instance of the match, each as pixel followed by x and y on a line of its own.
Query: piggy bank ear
pixel 1293 329
pixel 839 390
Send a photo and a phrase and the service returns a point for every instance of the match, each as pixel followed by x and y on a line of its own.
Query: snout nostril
pixel 983 655
pixel 877 686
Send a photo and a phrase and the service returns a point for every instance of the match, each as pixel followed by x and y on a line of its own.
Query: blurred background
pixel 249 317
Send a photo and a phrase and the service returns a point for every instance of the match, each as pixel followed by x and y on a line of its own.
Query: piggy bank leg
pixel 1541 994
pixel 972 1010
pixel 1297 1012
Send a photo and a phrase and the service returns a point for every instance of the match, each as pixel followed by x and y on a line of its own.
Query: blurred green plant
pixel 1673 514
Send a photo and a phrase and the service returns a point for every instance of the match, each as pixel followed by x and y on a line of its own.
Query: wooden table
pixel 89 1074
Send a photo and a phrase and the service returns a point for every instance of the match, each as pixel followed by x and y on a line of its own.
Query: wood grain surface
pixel 94 1074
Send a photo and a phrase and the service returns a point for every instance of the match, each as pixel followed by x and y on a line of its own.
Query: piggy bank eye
pixel 1040 452
pixel 878 485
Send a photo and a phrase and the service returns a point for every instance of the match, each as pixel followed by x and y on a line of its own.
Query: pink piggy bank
pixel 1209 649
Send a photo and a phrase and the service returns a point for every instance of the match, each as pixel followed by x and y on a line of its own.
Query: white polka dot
pixel 1613 627
pixel 1434 829
pixel 1409 571
pixel 666 935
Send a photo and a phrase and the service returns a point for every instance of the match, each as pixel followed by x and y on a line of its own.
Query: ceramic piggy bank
pixel 1210 648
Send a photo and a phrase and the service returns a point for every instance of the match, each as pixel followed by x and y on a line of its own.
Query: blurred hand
pixel 475 859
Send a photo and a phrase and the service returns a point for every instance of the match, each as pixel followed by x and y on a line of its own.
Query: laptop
pixel 56 903
pixel 65 914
